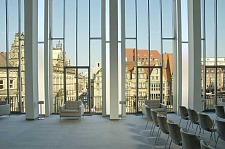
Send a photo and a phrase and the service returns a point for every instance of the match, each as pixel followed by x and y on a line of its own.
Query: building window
pixel 97 84
pixel 11 84
pixel 127 85
pixel 139 85
pixel 1 84
pixel 143 85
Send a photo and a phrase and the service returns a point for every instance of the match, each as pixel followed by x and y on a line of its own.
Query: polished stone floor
pixel 91 132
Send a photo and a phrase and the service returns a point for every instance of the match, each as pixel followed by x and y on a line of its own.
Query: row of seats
pixel 205 122
pixel 179 135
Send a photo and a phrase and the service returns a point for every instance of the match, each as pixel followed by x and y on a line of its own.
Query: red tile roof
pixel 2 59
pixel 154 55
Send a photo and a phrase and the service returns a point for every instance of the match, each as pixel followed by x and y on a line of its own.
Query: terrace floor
pixel 91 132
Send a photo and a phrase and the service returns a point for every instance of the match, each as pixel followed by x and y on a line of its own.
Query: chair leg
pixel 146 125
pixel 170 143
pixel 151 129
pixel 187 123
pixel 189 126
pixel 196 129
pixel 167 140
pixel 180 121
pixel 159 137
pixel 200 130
pixel 156 139
pixel 216 141
pixel 210 138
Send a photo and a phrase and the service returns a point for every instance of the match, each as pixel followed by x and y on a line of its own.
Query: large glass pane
pixel 57 18
pixel 130 19
pixel 96 75
pixel 96 92
pixel 22 16
pixel 130 76
pixel 142 26
pixel 83 33
pixel 221 33
pixel 167 18
pixel 220 83
pixel 2 31
pixel 3 85
pixel 155 26
pixel 83 90
pixel 95 18
pixel 143 87
pixel 210 89
pixel 70 84
pixel 58 74
pixel 155 84
pixel 210 29
pixel 168 72
pixel 14 91
pixel 41 20
pixel 184 20
pixel 9 85
pixel 70 31
pixel 130 87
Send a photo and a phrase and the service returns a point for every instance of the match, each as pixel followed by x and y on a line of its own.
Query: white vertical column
pixel 103 22
pixel 113 17
pixel 46 61
pixel 31 58
pixel 177 97
pixel 194 51
pixel 50 85
pixel 123 55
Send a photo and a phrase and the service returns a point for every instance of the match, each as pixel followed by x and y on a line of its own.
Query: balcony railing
pixel 15 104
pixel 96 103
pixel 131 103
pixel 210 100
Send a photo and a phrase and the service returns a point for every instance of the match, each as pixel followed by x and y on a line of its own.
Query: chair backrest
pixel 204 145
pixel 205 121
pixel 220 129
pixel 189 141
pixel 73 104
pixel 152 103
pixel 219 111
pixel 154 117
pixel 183 111
pixel 174 132
pixel 162 123
pixel 148 112
pixel 193 116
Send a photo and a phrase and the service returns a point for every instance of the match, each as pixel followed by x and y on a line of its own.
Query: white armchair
pixel 156 105
pixel 72 109
pixel 4 108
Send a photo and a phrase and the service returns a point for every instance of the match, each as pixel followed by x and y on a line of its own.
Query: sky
pixel 95 26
